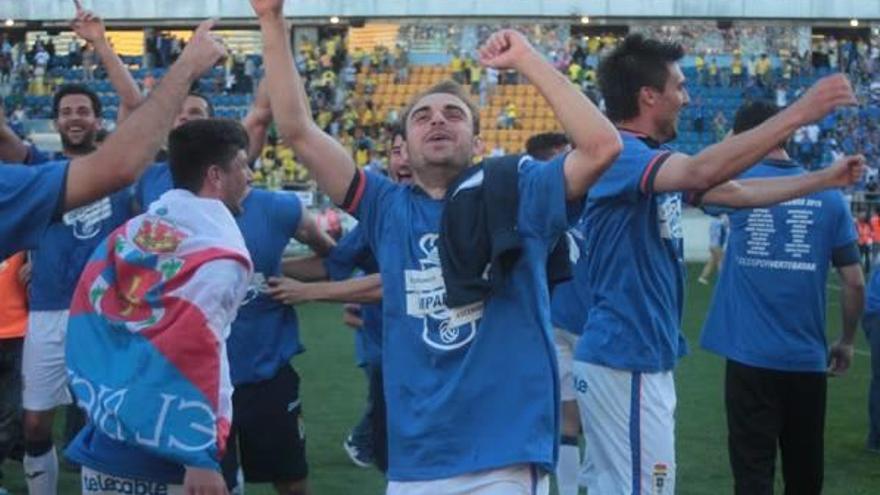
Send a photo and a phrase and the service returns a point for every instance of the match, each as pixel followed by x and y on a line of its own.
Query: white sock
pixel 568 469
pixel 41 473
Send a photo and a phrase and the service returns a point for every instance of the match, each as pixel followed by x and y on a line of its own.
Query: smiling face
pixel 77 124
pixel 194 108
pixel 398 161
pixel 440 133
pixel 665 106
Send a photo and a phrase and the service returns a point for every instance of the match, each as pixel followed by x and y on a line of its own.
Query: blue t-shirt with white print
pixel 265 333
pixel 768 309
pixel 634 256
pixel 467 390
pixel 67 244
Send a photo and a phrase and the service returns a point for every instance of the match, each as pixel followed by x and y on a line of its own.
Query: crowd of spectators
pixel 753 61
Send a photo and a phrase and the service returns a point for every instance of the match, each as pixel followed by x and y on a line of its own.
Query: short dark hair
pixel 444 87
pixel 636 63
pixel 543 146
pixel 196 94
pixel 75 89
pixel 196 145
pixel 752 114
pixel 395 130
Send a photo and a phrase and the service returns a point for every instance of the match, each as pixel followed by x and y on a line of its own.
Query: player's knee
pixel 571 421
pixel 37 427
pixel 292 488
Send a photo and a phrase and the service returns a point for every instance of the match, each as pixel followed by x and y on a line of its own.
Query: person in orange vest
pixel 875 236
pixel 13 321
pixel 866 239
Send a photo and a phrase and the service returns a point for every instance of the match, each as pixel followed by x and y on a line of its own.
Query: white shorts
pixel 565 344
pixel 629 430
pixel 96 483
pixel 522 479
pixel 43 369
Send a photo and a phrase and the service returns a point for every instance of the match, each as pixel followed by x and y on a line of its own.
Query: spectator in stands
pixel 720 125
pixel 476 76
pixel 456 65
pixel 5 68
pixel 762 70
pixel 714 76
pixel 699 112
pixel 700 66
pixel 736 70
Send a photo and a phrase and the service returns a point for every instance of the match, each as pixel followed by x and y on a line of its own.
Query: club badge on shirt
pixel 442 328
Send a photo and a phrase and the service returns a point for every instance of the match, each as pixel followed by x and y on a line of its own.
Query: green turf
pixel 333 395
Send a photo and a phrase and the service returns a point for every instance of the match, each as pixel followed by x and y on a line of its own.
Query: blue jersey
pixel 67 245
pixel 352 254
pixel 635 265
pixel 768 309
pixel 30 199
pixel 154 182
pixel 872 302
pixel 570 300
pixel 467 389
pixel 265 335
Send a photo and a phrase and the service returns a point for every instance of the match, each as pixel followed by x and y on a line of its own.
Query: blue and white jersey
pixel 472 388
pixel 351 255
pixel 570 301
pixel 31 198
pixel 265 335
pixel 634 265
pixel 768 309
pixel 67 244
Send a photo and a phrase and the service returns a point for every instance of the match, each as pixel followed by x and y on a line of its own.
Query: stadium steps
pixel 373 35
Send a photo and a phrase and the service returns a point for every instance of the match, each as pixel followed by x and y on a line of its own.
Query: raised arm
pixel 90 27
pixel 332 167
pixel 753 193
pixel 128 150
pixel 257 121
pixel 729 158
pixel 596 141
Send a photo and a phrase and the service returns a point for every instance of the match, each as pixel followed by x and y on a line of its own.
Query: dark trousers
pixel 371 432
pixel 768 408
pixel 11 440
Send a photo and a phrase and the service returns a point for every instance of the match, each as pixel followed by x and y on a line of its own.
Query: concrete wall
pixel 188 9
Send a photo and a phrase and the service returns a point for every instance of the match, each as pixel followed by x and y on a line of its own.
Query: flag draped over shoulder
pixel 146 349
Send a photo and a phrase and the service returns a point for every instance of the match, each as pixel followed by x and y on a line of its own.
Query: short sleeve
pixel 30 199
pixel 632 175
pixel 845 231
pixel 370 203
pixel 288 211
pixel 36 156
pixel 352 252
pixel 543 207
